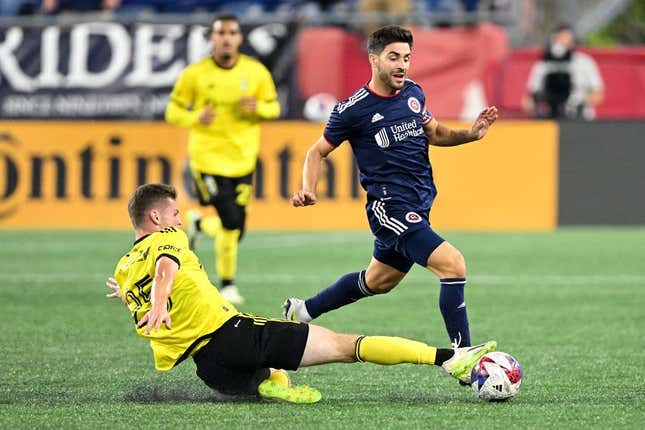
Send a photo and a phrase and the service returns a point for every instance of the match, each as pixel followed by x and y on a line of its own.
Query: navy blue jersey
pixel 389 143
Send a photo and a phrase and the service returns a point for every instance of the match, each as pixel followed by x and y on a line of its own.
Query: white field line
pixel 484 279
pixel 307 239
pixel 251 242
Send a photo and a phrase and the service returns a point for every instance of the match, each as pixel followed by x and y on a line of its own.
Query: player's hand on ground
pixel 114 286
pixel 303 198
pixel 248 104
pixel 154 318
pixel 207 115
pixel 484 120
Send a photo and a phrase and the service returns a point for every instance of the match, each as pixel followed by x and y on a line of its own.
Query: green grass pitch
pixel 568 304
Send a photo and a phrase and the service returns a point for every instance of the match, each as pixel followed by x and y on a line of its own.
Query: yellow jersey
pixel 229 145
pixel 195 307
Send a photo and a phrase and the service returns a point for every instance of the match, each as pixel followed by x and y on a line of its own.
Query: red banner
pixel 450 65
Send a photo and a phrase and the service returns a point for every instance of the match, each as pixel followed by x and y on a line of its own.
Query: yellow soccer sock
pixel 393 350
pixel 226 253
pixel 210 225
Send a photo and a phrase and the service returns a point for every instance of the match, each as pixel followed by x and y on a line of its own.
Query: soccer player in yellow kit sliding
pixel 175 307
pixel 222 99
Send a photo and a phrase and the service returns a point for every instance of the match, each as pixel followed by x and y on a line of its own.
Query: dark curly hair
pixel 382 37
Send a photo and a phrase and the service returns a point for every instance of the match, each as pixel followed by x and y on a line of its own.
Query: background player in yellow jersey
pixel 223 98
pixel 174 305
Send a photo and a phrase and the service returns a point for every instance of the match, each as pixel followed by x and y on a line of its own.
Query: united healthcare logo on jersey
pixel 398 132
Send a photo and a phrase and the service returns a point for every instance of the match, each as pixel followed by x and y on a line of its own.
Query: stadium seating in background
pixel 18 7
pixel 136 7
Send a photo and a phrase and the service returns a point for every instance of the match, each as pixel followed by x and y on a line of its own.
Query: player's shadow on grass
pixel 182 393
pixel 197 393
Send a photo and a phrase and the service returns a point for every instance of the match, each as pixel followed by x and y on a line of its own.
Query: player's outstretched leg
pixel 347 289
pixel 325 346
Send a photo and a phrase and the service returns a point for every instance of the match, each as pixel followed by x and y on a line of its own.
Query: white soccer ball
pixel 497 376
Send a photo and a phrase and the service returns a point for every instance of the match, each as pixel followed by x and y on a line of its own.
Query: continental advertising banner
pixel 72 174
pixel 113 70
pixel 80 175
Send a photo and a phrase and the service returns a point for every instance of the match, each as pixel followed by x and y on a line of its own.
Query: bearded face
pixel 392 65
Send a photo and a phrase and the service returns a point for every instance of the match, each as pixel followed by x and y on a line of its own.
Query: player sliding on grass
pixel 175 306
pixel 389 129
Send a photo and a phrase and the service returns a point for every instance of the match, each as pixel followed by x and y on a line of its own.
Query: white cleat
pixel 232 295
pixel 192 217
pixel 295 310
pixel 465 359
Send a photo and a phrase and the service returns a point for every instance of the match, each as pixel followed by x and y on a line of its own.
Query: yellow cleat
pixel 465 359
pixel 271 390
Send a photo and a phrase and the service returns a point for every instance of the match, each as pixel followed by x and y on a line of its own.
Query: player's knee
pixel 458 265
pixel 233 221
pixel 381 283
pixel 346 347
pixel 451 265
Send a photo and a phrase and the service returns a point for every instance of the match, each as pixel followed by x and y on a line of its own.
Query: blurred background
pixel 84 85
pixel 548 209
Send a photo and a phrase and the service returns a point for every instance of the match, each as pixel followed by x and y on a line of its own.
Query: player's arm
pixel 311 171
pixel 267 109
pixel 265 105
pixel 165 271
pixel 440 135
pixel 180 105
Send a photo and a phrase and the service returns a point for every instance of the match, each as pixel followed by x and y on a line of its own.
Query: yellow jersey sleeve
pixel 268 106
pixel 171 243
pixel 181 109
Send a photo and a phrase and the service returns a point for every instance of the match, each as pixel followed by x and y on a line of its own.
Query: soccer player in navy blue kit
pixel 389 129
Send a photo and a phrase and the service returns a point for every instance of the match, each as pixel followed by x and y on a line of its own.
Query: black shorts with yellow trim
pixel 238 356
pixel 214 189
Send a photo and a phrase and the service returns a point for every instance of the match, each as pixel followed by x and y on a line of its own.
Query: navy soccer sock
pixel 453 309
pixel 347 289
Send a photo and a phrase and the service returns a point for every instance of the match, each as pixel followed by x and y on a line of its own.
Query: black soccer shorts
pixel 238 356
pixel 230 196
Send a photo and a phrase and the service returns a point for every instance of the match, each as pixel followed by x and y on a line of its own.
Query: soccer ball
pixel 497 376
